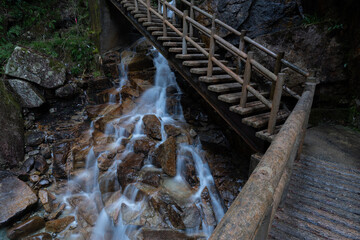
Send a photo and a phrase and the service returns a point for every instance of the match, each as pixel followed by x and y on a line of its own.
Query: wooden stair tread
pixel 160 33
pixel 216 78
pixel 144 19
pixel 179 50
pixel 264 135
pixel 156 28
pixel 235 97
pixel 173 38
pixel 152 24
pixel 198 63
pixel 193 56
pixel 179 44
pixel 225 87
pixel 261 120
pixel 203 71
pixel 251 107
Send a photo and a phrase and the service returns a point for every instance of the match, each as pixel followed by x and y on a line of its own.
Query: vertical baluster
pixel 148 6
pixel 136 6
pixel 247 77
pixel 185 32
pixel 159 6
pixel 212 47
pixel 277 70
pixel 174 16
pixel 242 48
pixel 164 18
pixel 276 102
pixel 192 16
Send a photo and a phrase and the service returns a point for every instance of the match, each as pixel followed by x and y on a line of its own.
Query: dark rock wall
pixel 11 133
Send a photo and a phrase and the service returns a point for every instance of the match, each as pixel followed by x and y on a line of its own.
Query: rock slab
pixel 30 97
pixel 15 196
pixel 26 64
pixel 25 228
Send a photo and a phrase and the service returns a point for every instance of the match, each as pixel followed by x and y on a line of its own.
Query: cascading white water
pixel 153 101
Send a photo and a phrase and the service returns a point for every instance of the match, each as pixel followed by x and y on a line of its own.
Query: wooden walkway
pixel 253 110
pixel 323 201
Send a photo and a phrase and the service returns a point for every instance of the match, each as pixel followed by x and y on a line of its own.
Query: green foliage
pixel 37 24
pixel 311 19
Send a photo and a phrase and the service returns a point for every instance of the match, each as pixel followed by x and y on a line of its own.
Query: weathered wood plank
pixel 267 136
pixel 261 120
pixel 250 107
pixel 194 56
pixel 235 97
pixel 202 71
pixel 225 87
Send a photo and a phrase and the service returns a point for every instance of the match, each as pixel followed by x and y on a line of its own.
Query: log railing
pixel 189 23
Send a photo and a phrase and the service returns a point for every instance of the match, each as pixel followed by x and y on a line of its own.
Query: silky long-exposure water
pixel 123 216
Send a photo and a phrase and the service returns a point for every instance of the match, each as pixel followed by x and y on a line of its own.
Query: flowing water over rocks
pixel 137 170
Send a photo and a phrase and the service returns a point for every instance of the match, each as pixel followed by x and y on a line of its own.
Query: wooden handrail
pixel 251 41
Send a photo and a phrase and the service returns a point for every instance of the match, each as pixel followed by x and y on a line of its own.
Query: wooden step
pixel 152 24
pixel 173 39
pixel 216 78
pixel 194 56
pixel 225 87
pixel 140 15
pixel 203 71
pixel 264 135
pixel 179 44
pixel 155 28
pixel 160 33
pixel 251 107
pixel 235 97
pixel 190 50
pixel 198 63
pixel 154 20
pixel 261 120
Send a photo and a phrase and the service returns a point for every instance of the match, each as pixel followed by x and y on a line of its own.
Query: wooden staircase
pixel 246 109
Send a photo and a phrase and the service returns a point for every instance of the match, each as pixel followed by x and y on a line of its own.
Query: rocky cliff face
pixel 11 133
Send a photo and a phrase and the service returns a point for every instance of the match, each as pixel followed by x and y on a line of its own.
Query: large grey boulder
pixel 16 197
pixel 30 97
pixel 26 64
pixel 12 130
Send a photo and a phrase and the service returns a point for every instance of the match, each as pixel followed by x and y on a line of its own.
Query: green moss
pixel 8 101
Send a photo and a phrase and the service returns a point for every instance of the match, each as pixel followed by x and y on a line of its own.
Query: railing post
pixel 277 69
pixel 159 6
pixel 242 48
pixel 247 77
pixel 276 102
pixel 174 16
pixel 212 47
pixel 148 6
pixel 192 16
pixel 185 32
pixel 164 19
pixel 136 6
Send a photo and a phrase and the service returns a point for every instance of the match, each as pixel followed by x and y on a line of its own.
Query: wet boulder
pixel 86 208
pixel 59 225
pixel 30 96
pixel 26 64
pixel 165 156
pixel 34 139
pixel 144 145
pixel 67 91
pixel 40 236
pixel 128 169
pixel 152 126
pixel 26 228
pixel 157 234
pixel 16 197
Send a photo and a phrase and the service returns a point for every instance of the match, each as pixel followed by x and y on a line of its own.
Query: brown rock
pixel 151 178
pixel 39 236
pixel 105 160
pixel 25 228
pixel 57 212
pixel 165 156
pixel 128 168
pixel 44 199
pixel 40 164
pixel 61 152
pixel 171 130
pixel 34 178
pixel 144 145
pixel 86 208
pixel 127 91
pixel 152 126
pixel 16 196
pixel 59 225
pixel 206 208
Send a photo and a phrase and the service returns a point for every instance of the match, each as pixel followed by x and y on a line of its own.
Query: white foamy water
pixel 152 101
